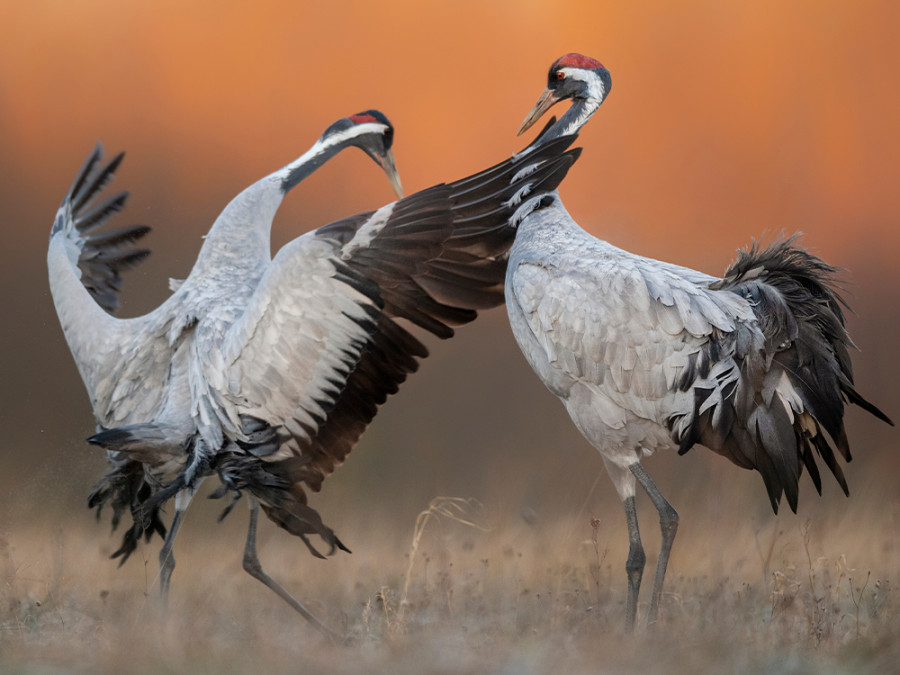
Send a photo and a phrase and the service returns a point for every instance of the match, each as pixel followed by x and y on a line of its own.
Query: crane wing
pixel 101 256
pixel 301 335
pixel 319 347
pixel 623 325
pixel 124 362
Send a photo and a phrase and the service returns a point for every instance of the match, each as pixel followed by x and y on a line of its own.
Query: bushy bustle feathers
pixel 785 402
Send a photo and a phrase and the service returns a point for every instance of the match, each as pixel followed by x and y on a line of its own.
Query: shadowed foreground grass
pixel 482 594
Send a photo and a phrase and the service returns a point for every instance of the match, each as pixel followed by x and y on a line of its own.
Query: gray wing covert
pixel 138 375
pixel 624 327
pixel 286 359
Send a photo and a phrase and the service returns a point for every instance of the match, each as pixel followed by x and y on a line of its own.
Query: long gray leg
pixel 166 557
pixel 634 566
pixel 668 523
pixel 252 566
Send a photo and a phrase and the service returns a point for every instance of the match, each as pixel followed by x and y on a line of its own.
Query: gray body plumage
pixel 647 355
pixel 590 321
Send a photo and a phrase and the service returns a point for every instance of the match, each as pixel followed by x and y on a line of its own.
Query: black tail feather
pixel 125 490
pixel 792 380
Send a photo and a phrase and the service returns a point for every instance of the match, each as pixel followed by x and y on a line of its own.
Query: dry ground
pixel 796 594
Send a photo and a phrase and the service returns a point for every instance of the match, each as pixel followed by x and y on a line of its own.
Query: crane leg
pixel 668 523
pixel 634 566
pixel 253 567
pixel 166 557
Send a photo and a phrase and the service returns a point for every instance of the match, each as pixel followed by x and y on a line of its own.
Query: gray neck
pixel 240 237
pixel 309 163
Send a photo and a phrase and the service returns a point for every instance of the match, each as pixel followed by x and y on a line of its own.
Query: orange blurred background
pixel 726 121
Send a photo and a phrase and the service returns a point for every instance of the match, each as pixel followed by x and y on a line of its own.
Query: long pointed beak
pixel 547 100
pixel 390 168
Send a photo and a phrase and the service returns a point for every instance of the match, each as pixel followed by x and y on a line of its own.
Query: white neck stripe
pixel 321 146
pixel 595 84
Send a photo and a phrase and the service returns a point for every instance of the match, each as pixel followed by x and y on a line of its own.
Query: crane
pixel 97 260
pixel 646 355
pixel 265 371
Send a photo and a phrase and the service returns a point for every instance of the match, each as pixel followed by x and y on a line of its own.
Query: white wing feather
pixel 300 334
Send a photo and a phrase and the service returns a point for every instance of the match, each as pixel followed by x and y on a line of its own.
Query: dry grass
pixel 474 592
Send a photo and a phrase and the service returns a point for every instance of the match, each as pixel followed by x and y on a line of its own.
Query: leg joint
pixel 636 558
pixel 668 518
pixel 252 566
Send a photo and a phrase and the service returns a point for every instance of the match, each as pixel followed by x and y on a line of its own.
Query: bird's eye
pixel 560 75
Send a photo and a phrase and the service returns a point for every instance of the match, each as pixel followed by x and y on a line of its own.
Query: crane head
pixel 371 132
pixel 572 76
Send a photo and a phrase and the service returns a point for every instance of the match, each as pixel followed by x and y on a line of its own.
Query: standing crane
pixel 265 371
pixel 647 355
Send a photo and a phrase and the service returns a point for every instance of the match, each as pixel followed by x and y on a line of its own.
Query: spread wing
pixel 319 348
pixel 124 362
pixel 102 255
